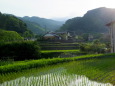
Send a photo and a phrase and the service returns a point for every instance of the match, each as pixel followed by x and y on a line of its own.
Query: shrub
pixel 93 48
pixel 7 36
pixel 19 50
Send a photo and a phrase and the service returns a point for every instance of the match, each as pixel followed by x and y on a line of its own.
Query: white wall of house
pixel 112 36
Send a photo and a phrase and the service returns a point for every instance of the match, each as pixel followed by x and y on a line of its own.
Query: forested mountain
pixel 11 23
pixel 41 25
pixel 34 27
pixel 93 21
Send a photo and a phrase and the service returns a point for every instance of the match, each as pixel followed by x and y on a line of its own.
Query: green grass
pixel 18 66
pixel 6 62
pixel 58 43
pixel 100 68
pixel 61 53
pixel 48 51
pixel 59 46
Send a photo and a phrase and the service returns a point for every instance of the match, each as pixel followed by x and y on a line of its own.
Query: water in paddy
pixel 55 78
pixel 71 74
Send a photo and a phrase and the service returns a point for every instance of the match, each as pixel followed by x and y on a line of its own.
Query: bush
pixel 7 36
pixel 94 47
pixel 19 50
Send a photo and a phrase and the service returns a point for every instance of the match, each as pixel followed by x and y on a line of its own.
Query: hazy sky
pixel 52 8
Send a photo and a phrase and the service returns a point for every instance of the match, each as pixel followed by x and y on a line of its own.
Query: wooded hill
pixel 12 28
pixel 93 21
pixel 11 23
pixel 41 25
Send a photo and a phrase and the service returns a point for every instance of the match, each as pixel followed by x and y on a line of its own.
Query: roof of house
pixel 49 34
pixel 110 23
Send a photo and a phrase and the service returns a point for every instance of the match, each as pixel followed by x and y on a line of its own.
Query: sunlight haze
pixel 52 8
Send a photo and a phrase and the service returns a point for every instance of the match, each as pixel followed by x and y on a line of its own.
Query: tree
pixel 21 50
pixel 11 23
pixel 27 35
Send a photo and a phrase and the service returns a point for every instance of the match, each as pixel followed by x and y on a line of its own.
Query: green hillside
pixel 40 25
pixel 93 21
pixel 11 23
pixel 34 27
pixel 6 36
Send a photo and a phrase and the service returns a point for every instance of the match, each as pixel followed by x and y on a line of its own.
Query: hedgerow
pixel 44 62
pixel 22 50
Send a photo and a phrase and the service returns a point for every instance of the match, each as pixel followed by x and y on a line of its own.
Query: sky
pixel 52 8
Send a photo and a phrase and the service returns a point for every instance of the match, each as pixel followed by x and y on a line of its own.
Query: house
pixel 51 36
pixel 90 37
pixel 63 35
pixel 111 26
pixel 57 36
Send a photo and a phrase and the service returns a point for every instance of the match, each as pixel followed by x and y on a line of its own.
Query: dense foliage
pixel 10 22
pixel 6 36
pixel 93 21
pixel 19 50
pixel 94 47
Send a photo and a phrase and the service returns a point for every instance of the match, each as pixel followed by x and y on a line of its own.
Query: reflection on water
pixel 54 79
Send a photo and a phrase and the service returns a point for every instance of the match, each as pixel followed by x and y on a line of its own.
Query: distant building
pixel 51 36
pixel 90 37
pixel 57 36
pixel 111 25
pixel 63 35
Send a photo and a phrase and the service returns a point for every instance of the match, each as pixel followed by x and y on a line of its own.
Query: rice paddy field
pixel 65 51
pixel 77 72
pixel 59 46
pixel 61 53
